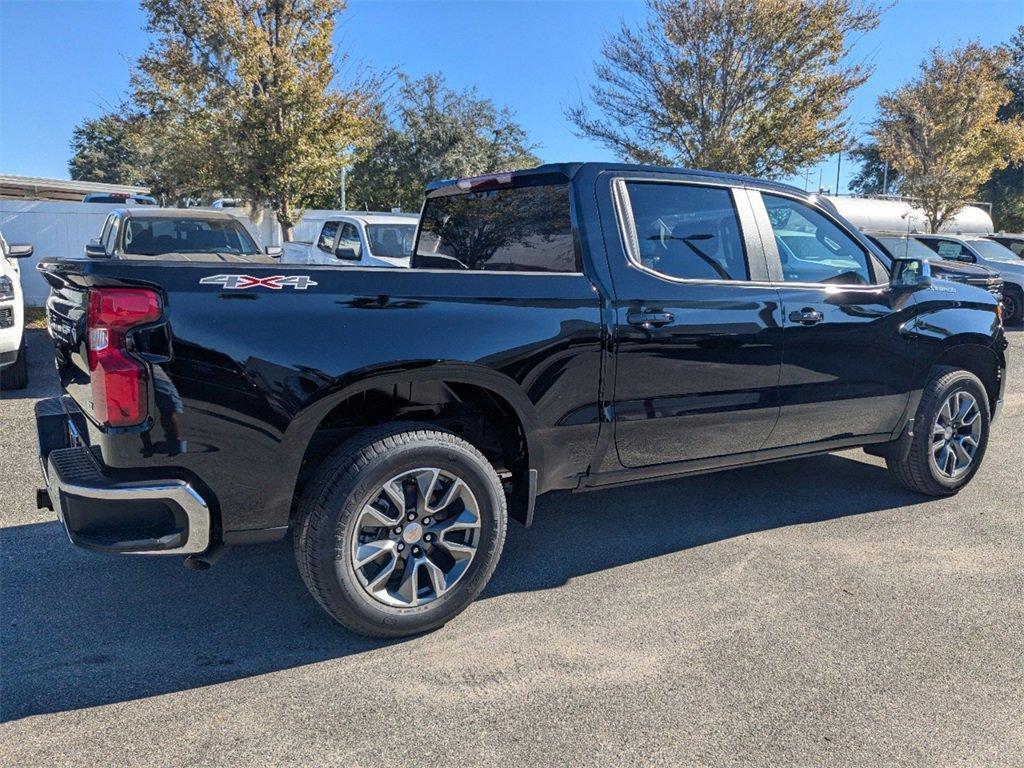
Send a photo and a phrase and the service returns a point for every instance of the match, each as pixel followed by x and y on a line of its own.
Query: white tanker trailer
pixel 877 215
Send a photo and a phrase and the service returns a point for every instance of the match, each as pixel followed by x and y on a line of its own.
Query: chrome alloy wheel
pixel 956 434
pixel 415 537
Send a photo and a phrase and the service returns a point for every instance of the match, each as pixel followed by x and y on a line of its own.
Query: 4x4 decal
pixel 274 282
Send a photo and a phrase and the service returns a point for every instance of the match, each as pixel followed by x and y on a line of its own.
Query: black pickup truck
pixel 571 326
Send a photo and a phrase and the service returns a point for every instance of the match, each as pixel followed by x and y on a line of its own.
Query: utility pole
pixel 885 180
pixel 343 173
pixel 839 164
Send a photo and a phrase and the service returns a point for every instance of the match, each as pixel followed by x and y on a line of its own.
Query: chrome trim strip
pixel 184 495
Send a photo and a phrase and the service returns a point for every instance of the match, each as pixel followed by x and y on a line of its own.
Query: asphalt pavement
pixel 805 613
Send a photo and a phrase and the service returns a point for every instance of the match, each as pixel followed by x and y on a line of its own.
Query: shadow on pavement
pixel 42 382
pixel 80 629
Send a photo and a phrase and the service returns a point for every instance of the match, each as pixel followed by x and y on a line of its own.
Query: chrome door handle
pixel 649 318
pixel 806 316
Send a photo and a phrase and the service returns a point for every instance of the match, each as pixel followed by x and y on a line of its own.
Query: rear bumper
pixel 166 517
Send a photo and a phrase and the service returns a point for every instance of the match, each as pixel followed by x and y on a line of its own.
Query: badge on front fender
pixel 274 282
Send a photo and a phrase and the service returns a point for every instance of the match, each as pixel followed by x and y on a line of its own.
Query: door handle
pixel 649 318
pixel 806 316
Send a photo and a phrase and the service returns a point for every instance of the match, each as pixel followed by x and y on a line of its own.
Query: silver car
pixel 978 249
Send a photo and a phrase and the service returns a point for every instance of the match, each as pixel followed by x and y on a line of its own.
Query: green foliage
pixel 235 97
pixel 873 178
pixel 941 132
pixel 433 132
pixel 109 149
pixel 1005 189
pixel 747 86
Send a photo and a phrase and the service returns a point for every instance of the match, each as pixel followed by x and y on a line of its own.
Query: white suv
pixel 13 362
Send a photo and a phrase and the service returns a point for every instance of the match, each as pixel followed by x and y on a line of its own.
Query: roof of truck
pixel 569 170
pixel 176 213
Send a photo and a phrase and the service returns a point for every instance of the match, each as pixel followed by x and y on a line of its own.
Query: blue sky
pixel 62 61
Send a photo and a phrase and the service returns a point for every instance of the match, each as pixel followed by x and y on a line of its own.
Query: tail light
pixel 120 388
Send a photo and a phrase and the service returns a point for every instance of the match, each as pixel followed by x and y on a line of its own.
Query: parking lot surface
pixel 809 613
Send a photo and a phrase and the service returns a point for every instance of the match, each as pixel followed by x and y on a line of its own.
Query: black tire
pixel 15 376
pixel 918 472
pixel 343 485
pixel 1013 306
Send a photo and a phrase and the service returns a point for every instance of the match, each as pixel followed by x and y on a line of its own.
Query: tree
pixel 433 132
pixel 108 149
pixel 941 131
pixel 874 176
pixel 1005 189
pixel 238 96
pixel 747 86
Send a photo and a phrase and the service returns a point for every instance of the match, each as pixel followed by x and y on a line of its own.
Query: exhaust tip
pixel 205 560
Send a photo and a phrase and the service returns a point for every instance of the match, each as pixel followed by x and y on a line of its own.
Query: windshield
pixel 157 236
pixel 906 248
pixel 990 249
pixel 393 241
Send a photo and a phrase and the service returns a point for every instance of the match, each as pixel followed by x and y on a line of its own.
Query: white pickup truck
pixel 352 238
pixel 13 362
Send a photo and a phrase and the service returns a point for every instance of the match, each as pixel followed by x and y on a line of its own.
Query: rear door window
pixel 947 249
pixel 515 229
pixel 687 231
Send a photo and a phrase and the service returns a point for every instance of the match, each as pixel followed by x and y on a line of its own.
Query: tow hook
pixel 204 560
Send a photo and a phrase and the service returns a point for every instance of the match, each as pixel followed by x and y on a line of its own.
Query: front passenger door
pixel 847 370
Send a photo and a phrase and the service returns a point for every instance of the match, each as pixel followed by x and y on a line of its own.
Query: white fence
pixel 62 230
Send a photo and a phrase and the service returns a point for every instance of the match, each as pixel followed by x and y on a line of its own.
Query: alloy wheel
pixel 956 434
pixel 415 537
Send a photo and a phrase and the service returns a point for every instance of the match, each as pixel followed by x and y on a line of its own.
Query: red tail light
pixel 119 381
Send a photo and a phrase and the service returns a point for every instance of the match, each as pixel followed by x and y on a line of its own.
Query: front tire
pixel 400 529
pixel 950 436
pixel 15 376
pixel 1013 306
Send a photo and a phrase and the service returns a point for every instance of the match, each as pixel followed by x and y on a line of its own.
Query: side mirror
pixel 19 251
pixel 95 251
pixel 274 251
pixel 350 254
pixel 910 275
pixel 965 257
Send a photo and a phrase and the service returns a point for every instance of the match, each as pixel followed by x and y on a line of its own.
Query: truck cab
pixel 352 239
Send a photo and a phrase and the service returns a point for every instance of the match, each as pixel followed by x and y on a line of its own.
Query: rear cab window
pixel 506 229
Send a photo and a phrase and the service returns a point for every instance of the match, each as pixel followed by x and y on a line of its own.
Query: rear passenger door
pixel 696 323
pixel 847 370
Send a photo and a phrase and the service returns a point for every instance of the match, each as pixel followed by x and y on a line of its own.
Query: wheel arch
pixel 979 359
pixel 483 406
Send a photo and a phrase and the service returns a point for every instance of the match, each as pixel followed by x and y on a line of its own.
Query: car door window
pixel 687 231
pixel 812 248
pixel 947 249
pixel 349 246
pixel 326 240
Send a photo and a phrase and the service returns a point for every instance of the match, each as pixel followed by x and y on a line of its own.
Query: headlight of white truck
pixel 6 288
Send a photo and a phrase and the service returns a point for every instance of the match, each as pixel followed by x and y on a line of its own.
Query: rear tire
pixel 375 569
pixel 947 448
pixel 15 376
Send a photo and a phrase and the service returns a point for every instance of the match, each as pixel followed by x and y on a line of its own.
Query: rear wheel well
pixel 477 414
pixel 979 360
